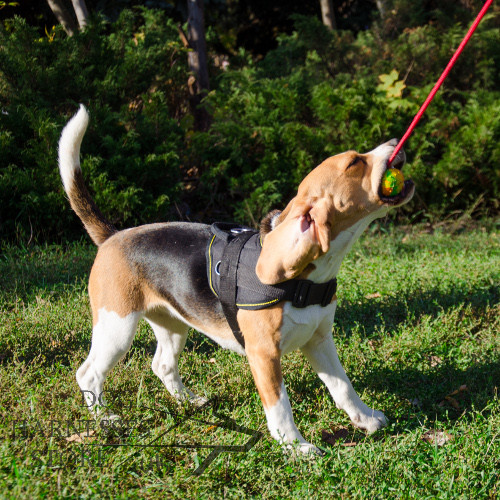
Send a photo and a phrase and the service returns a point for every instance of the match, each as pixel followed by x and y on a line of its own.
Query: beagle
pixel 157 272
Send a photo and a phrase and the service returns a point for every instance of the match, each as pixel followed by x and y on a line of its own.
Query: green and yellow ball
pixel 392 182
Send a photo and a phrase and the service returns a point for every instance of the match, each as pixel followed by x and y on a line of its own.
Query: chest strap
pixel 301 293
pixel 228 289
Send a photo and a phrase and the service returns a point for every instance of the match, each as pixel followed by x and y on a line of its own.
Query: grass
pixel 417 330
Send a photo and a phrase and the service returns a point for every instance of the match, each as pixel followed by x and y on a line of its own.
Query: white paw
pixel 187 396
pixel 370 421
pixel 305 449
pixel 197 400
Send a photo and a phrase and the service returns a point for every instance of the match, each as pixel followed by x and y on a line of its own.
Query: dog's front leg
pixel 262 349
pixel 322 355
pixel 266 371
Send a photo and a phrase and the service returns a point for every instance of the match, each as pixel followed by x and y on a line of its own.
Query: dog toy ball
pixel 392 182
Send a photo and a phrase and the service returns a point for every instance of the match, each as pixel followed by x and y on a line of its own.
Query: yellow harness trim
pixel 261 304
pixel 210 262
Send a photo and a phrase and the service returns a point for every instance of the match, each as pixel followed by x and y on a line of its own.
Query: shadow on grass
pixel 25 274
pixel 445 391
pixel 389 312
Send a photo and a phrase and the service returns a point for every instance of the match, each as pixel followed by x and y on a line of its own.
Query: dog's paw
pixel 186 396
pixel 302 449
pixel 370 421
pixel 197 401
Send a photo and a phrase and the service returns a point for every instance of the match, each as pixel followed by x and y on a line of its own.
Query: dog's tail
pixel 82 203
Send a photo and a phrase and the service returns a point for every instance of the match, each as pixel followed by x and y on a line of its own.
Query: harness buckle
pixel 301 293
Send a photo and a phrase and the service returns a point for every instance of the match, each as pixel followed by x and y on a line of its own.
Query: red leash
pixel 441 79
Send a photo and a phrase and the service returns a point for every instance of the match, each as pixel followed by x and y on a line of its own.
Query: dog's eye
pixel 356 161
pixel 353 162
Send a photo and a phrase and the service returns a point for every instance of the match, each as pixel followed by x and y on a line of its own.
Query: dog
pixel 157 272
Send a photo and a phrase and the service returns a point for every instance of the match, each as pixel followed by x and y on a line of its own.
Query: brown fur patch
pixel 112 285
pixel 261 330
pixel 95 223
pixel 331 198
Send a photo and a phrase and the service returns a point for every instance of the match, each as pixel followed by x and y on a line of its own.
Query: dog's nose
pixel 393 142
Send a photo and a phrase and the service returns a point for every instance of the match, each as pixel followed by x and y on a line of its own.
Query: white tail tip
pixel 69 146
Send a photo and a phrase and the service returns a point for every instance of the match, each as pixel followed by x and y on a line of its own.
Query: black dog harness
pixel 232 255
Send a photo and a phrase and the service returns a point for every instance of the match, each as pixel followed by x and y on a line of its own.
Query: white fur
pixel 322 355
pixel 69 146
pixel 274 220
pixel 381 155
pixel 327 266
pixel 225 343
pixel 171 336
pixel 281 425
pixel 111 338
pixel 299 325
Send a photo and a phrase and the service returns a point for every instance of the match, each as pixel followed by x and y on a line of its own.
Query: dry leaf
pixel 330 438
pixel 435 360
pixel 79 438
pixel 375 295
pixel 438 438
pixel 451 400
pixel 462 388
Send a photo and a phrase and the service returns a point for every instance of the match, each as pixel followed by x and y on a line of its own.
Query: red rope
pixel 441 79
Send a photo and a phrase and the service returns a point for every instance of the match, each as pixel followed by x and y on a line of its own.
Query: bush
pixel 317 94
pixel 131 75
pixel 321 93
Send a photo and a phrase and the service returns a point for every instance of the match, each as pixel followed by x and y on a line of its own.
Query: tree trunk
pixel 63 16
pixel 328 14
pixel 197 61
pixel 81 12
pixel 381 7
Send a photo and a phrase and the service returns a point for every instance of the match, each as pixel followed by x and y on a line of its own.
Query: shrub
pixel 317 94
pixel 131 75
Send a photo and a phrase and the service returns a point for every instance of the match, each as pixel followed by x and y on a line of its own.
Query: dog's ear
pixel 269 222
pixel 300 235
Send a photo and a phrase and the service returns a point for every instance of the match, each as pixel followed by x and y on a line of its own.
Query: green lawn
pixel 417 330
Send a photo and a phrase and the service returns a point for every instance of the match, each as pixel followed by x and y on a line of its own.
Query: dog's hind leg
pixel 171 335
pixel 112 337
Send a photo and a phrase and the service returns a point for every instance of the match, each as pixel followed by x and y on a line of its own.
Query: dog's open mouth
pixel 408 186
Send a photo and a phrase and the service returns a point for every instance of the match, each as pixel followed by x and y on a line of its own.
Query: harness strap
pixel 228 289
pixel 301 293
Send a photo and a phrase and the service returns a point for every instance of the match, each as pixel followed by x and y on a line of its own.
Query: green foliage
pixel 321 93
pixel 317 94
pixel 131 76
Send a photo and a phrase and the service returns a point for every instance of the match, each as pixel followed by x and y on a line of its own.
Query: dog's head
pixel 337 194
